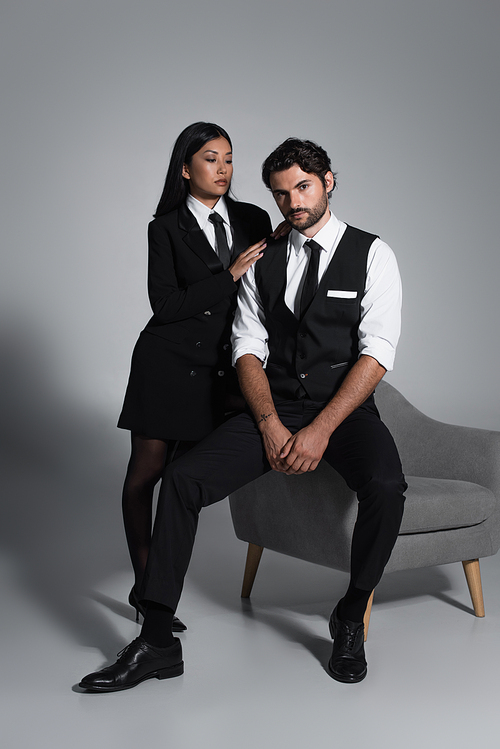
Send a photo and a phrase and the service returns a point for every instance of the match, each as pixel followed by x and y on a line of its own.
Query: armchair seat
pixel 444 504
pixel 452 509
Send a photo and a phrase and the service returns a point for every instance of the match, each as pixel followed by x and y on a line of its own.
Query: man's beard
pixel 314 215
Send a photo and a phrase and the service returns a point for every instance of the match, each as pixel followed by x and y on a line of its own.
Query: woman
pixel 181 381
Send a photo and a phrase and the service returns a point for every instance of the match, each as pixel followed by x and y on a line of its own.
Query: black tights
pixel 147 461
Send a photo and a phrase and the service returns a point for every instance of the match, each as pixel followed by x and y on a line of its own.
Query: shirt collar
pixel 325 237
pixel 201 212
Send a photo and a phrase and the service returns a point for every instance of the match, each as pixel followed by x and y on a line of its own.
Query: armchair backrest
pixel 435 449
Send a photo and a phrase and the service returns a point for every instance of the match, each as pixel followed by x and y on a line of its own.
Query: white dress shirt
pixel 380 322
pixel 201 212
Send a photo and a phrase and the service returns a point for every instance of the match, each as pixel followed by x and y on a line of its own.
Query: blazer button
pixel 207 312
pixel 221 373
pixel 198 345
pixel 302 376
pixel 302 356
pixel 192 373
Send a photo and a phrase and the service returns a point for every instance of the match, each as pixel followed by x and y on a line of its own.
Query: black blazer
pixel 193 300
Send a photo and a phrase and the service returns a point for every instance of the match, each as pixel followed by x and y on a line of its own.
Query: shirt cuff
pixel 260 353
pixel 380 350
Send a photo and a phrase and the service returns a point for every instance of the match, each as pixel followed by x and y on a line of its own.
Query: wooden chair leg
pixel 473 577
pixel 254 554
pixel 368 611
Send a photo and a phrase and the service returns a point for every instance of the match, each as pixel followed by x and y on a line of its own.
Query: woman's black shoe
pixel 177 625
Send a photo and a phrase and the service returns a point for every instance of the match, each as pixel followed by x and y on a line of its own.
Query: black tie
pixel 311 280
pixel 221 239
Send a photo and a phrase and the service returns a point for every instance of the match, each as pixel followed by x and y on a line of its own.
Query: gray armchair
pixel 452 511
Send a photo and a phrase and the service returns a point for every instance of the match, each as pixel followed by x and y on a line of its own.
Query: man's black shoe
pixel 137 662
pixel 348 663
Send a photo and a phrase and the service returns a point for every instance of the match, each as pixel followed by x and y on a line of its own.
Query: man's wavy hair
pixel 310 157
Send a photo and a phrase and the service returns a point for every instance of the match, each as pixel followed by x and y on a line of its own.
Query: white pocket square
pixel 342 294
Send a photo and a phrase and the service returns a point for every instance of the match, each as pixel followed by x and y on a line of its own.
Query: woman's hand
pixel 281 230
pixel 247 258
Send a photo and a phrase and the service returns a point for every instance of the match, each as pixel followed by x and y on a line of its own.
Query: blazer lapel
pixel 197 241
pixel 239 227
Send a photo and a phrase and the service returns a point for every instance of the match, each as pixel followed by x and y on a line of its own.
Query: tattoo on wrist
pixel 264 417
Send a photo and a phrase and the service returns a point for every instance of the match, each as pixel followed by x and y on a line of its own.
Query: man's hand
pixel 255 388
pixel 274 436
pixel 304 450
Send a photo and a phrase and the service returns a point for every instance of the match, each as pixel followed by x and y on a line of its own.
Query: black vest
pixel 311 357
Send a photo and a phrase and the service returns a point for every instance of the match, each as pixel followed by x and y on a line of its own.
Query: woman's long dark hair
pixel 187 144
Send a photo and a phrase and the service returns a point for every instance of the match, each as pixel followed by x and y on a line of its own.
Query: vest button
pixel 221 373
pixel 302 335
pixel 207 312
pixel 192 373
pixel 225 346
pixel 198 344
pixel 302 356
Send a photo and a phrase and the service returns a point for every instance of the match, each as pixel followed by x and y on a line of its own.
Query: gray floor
pixel 255 672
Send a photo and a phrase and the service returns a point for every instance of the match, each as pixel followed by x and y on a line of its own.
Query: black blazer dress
pixel 181 365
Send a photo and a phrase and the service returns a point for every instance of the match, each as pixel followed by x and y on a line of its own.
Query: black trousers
pixel 361 449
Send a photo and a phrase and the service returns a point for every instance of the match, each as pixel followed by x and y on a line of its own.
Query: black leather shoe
pixel 177 625
pixel 348 663
pixel 137 662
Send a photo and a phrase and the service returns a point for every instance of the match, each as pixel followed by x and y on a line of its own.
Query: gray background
pixel 404 97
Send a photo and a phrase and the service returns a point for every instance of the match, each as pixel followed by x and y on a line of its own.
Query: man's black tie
pixel 311 280
pixel 221 239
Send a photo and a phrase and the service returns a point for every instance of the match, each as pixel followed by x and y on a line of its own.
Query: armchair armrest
pixel 434 449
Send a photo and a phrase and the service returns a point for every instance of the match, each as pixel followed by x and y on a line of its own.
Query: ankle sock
pixel 157 626
pixel 353 605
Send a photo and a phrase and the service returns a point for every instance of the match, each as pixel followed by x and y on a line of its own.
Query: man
pixel 315 331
